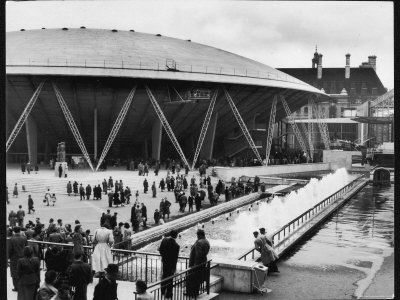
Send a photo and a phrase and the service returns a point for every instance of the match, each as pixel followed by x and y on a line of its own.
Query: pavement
pixel 88 212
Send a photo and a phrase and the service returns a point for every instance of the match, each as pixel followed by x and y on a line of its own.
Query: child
pixel 137 196
pixel 53 199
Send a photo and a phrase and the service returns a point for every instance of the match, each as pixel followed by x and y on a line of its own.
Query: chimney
pixel 372 61
pixel 319 70
pixel 347 68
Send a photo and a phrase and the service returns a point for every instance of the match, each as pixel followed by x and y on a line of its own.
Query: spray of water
pixel 281 210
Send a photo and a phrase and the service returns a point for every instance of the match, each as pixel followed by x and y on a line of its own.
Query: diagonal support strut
pixel 271 127
pixel 166 126
pixel 204 128
pixel 116 126
pixel 72 125
pixel 242 125
pixel 24 116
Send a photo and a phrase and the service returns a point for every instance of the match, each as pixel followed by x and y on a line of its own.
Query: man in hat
pixel 106 289
pixel 169 250
pixel 272 267
pixel 268 255
pixel 198 255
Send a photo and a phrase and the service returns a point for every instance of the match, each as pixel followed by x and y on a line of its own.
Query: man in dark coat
pixel 105 186
pixel 75 187
pixel 15 252
pixel 60 169
pixel 113 221
pixel 144 215
pixel 20 216
pixel 69 188
pixel 169 250
pixel 197 201
pixel 110 198
pixel 145 185
pixel 198 255
pixel 82 192
pixel 30 204
pixel 88 191
pixel 106 289
pixel 80 275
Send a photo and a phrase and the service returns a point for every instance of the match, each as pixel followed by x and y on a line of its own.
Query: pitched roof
pixel 333 79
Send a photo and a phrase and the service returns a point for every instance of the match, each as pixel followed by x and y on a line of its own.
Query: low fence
pixel 133 265
pixel 286 232
pixel 183 283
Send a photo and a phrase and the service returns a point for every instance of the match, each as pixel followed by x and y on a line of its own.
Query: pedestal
pixel 64 167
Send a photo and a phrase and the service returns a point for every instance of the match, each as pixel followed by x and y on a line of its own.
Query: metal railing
pixel 285 232
pixel 198 275
pixel 132 265
pixel 151 66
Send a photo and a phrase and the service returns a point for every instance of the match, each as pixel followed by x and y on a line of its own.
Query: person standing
pixel 77 239
pixel 144 215
pixel 162 185
pixel 102 257
pixel 190 202
pixel 75 187
pixel 110 198
pixel 169 250
pixel 106 289
pixel 15 192
pixel 104 183
pixel 157 216
pixel 60 169
pixel 12 218
pixel 127 236
pixel 80 275
pixel 154 189
pixel 272 267
pixel 141 291
pixel 15 252
pixel 198 255
pixel 197 202
pixel 20 216
pixel 145 186
pixel 110 183
pixel 82 192
pixel 47 289
pixel 28 269
pixel 113 221
pixel 69 188
pixel 88 191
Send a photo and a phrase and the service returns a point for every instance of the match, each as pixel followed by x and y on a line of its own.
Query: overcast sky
pixel 279 34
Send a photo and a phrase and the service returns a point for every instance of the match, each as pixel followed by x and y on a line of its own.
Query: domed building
pixel 131 85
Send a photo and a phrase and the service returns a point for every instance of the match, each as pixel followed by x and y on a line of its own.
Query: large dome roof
pixel 114 53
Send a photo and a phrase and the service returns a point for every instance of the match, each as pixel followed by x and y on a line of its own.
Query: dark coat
pixel 199 251
pixel 16 251
pixel 80 275
pixel 30 202
pixel 28 270
pixel 105 290
pixel 69 188
pixel 144 211
pixel 75 186
pixel 169 250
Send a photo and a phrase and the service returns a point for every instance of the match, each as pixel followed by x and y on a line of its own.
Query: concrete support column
pixel 31 136
pixel 208 143
pixel 95 133
pixel 46 152
pixel 156 136
pixel 145 149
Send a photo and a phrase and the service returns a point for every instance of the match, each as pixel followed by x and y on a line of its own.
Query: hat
pixel 112 268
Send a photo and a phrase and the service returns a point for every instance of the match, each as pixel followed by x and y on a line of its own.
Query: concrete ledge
pixel 144 237
pixel 226 174
pixel 208 296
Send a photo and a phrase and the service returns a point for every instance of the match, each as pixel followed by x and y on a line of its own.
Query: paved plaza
pixel 88 212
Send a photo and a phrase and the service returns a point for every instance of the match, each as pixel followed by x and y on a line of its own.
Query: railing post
pixel 145 274
pixel 208 278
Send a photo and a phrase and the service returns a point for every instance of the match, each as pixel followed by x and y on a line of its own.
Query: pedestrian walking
pixel 144 215
pixel 30 205
pixel 53 198
pixel 60 169
pixel 75 187
pixel 12 218
pixel 88 191
pixel 145 186
pixel 157 216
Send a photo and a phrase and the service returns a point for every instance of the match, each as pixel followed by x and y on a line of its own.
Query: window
pixel 306 110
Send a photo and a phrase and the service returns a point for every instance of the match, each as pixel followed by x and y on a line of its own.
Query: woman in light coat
pixel 101 257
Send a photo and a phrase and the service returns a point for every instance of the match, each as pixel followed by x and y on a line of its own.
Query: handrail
pixel 153 66
pixel 179 280
pixel 309 213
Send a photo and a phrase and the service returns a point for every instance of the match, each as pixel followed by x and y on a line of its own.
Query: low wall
pixel 226 173
pixel 339 159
